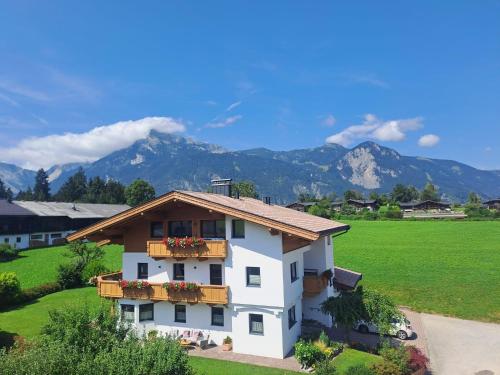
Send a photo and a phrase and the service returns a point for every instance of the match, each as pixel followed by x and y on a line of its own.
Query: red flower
pixel 183 285
pixel 123 283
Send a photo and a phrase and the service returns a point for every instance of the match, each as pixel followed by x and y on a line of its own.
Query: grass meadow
pixel 445 267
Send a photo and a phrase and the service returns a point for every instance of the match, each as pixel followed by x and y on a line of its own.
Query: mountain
pixel 174 162
pixel 15 177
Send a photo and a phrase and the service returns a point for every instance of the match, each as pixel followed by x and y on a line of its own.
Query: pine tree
pixel 95 191
pixel 3 191
pixel 25 195
pixel 114 192
pixel 74 189
pixel 41 191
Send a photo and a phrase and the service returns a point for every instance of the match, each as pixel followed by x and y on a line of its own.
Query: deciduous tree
pixel 139 192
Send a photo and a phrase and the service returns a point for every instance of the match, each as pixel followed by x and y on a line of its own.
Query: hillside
pixel 175 162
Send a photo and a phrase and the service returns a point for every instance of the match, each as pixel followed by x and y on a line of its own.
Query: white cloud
pixel 8 100
pixel 36 152
pixel 377 129
pixel 369 79
pixel 224 122
pixel 27 92
pixel 488 149
pixel 329 120
pixel 428 140
pixel 233 106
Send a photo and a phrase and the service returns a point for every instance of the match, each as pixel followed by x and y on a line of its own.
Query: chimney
pixel 267 200
pixel 222 186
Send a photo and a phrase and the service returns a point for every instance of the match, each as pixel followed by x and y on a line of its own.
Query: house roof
pixel 305 204
pixel 492 201
pixel 360 201
pixel 253 210
pixel 72 210
pixel 11 209
pixel 346 278
pixel 419 203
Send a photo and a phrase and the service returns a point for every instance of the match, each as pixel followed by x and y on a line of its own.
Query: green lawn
pixel 445 267
pixel 217 367
pixel 350 357
pixel 39 266
pixel 28 319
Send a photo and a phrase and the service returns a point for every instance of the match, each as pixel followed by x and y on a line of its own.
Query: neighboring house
pixel 26 224
pixel 301 206
pixel 261 270
pixel 427 205
pixel 359 204
pixel 493 204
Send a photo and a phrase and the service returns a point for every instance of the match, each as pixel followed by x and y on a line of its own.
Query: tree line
pixel 79 188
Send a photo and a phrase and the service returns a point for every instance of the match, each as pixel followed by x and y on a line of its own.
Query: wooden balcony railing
pixel 313 284
pixel 211 249
pixel 109 286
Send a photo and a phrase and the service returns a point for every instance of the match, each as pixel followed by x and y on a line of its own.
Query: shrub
pixel 397 356
pixel 69 275
pixel 417 359
pixel 93 269
pixel 10 288
pixel 385 368
pixel 359 370
pixel 325 367
pixel 308 354
pixel 38 291
pixel 8 252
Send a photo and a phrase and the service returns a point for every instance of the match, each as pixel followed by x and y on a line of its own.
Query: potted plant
pixel 227 344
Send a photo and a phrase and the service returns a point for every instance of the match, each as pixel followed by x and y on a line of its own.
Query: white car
pixel 401 328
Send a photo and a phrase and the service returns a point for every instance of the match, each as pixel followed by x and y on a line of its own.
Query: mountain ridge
pixel 175 162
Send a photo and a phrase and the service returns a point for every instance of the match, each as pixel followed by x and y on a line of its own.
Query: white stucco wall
pixel 258 249
pixel 11 239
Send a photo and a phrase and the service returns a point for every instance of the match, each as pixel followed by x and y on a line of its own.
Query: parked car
pixel 401 328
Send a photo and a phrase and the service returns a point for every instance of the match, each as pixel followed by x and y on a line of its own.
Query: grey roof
pixel 417 203
pixel 305 204
pixel 491 201
pixel 346 278
pixel 72 210
pixel 364 201
pixel 10 209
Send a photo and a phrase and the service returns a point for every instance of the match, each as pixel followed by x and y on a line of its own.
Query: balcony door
pixel 215 274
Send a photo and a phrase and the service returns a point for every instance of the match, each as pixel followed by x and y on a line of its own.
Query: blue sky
pixel 250 74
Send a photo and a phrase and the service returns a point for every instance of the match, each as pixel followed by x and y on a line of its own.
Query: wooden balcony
pixel 211 249
pixel 313 285
pixel 109 286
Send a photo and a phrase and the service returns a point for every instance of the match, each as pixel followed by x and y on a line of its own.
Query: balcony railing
pixel 313 283
pixel 109 286
pixel 210 249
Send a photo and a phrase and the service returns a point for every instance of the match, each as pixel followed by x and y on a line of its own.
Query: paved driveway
pixel 462 347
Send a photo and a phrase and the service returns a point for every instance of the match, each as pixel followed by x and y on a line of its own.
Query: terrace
pixel 110 286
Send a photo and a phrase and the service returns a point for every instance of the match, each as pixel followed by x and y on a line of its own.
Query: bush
pixel 325 367
pixel 308 354
pixel 359 370
pixel 8 252
pixel 10 288
pixel 69 275
pixel 82 341
pixel 397 356
pixel 385 368
pixel 390 212
pixel 417 359
pixel 38 291
pixel 93 269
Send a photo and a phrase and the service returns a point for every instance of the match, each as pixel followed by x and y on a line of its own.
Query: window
pixel 213 228
pixel 128 313
pixel 256 324
pixel 18 239
pixel 215 274
pixel 238 229
pixel 253 276
pixel 179 271
pixel 218 316
pixel 293 271
pixel 180 313
pixel 56 235
pixel 291 317
pixel 36 236
pixel 142 270
pixel 6 240
pixel 156 229
pixel 180 228
pixel 146 312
